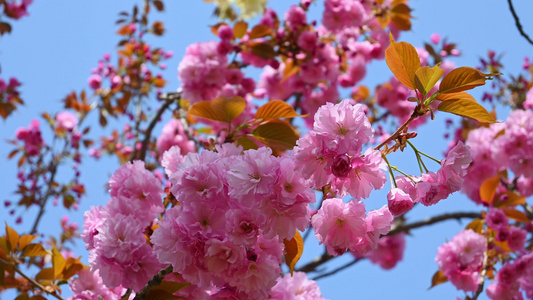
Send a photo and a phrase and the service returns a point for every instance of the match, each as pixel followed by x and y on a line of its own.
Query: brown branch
pixel 517 21
pixel 169 99
pixel 325 257
pixel 353 262
pixel 433 220
pixel 155 281
pixel 43 200
pixel 32 281
pixel 396 134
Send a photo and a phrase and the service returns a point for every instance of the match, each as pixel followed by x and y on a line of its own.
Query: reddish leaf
pixel 25 240
pixel 259 31
pixel 239 30
pixel 159 5
pixel 263 50
pixel 293 250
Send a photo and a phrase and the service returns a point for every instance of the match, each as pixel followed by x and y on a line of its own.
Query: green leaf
pixel 220 109
pixel 276 109
pixel 463 78
pixel 426 78
pixel 293 250
pixel 276 134
pixel 466 108
pixel 403 61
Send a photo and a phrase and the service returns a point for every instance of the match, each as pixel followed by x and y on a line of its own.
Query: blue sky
pixel 54 49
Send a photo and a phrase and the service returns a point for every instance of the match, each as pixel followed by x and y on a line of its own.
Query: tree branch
pixel 169 99
pixel 35 283
pixel 155 281
pixel 353 262
pixel 517 21
pixel 43 200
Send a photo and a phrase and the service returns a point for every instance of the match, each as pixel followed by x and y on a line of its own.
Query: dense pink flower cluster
pixel 234 212
pixel 512 279
pixel 342 226
pixel 90 286
pixel 461 259
pixel 114 234
pixel 389 251
pixel 431 187
pixel 340 14
pixel 31 136
pixel 331 152
pixel 297 287
pixel 514 236
pixel 174 134
pixel 502 146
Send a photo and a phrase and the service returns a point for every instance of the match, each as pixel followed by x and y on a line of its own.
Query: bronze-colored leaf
pixel 516 215
pixel 263 50
pixel 438 278
pixel 293 250
pixel 159 5
pixel 476 225
pixel 488 188
pixel 239 29
pixel 468 109
pixel 12 237
pixel 455 96
pixel 403 61
pixel 259 31
pixel 276 134
pixel 276 109
pixel 426 78
pixel 463 78
pixel 513 199
pixel 220 109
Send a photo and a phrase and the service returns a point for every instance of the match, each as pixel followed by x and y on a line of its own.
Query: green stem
pixel 390 171
pixel 405 174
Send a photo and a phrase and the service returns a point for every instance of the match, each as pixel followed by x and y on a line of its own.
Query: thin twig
pixel 398 131
pixel 169 99
pixel 155 281
pixel 353 262
pixel 517 21
pixel 35 283
pixel 44 199
pixel 433 220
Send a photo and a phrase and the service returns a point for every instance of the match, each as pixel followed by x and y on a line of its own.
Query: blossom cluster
pixel 341 226
pixel 431 187
pixel 114 233
pixel 234 212
pixel 331 152
pixel 461 259
pixel 507 145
